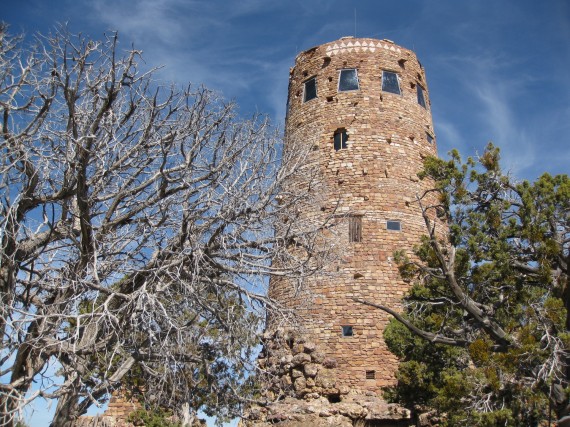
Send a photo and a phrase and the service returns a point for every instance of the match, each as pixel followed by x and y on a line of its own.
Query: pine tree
pixel 484 335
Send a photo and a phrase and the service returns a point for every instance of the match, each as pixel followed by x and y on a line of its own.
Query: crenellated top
pixel 364 45
pixel 349 44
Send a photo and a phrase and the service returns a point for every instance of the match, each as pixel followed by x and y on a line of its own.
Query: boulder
pixel 330 363
pixel 300 359
pixel 311 370
pixel 300 384
pixel 325 379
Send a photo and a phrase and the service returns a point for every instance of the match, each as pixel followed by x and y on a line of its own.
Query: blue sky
pixel 496 70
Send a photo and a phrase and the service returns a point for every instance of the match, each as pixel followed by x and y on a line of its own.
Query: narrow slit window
pixel 310 91
pixel 429 138
pixel 347 331
pixel 390 82
pixel 348 80
pixel 370 375
pixel 393 225
pixel 340 138
pixel 421 97
pixel 355 229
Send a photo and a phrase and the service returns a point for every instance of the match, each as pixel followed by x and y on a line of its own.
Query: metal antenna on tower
pixel 354 22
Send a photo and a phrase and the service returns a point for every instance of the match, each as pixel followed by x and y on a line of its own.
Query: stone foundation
pixel 353 410
pixel 303 389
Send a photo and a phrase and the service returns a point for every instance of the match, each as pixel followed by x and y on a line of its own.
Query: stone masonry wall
pixel 303 390
pixel 116 414
pixel 374 178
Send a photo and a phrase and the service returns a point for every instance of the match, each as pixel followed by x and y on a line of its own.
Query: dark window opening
pixel 310 89
pixel 421 97
pixel 390 82
pixel 340 138
pixel 333 398
pixel 370 375
pixel 347 331
pixel 348 80
pixel 384 423
pixel 355 229
pixel 393 225
pixel 429 138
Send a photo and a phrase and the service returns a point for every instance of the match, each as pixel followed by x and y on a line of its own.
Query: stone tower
pixel 363 107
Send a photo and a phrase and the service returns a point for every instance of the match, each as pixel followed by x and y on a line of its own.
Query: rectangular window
pixel 347 331
pixel 390 82
pixel 310 91
pixel 393 225
pixel 348 80
pixel 370 375
pixel 429 138
pixel 421 98
pixel 355 229
pixel 340 138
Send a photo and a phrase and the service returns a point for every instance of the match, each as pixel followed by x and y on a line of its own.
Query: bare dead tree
pixel 136 229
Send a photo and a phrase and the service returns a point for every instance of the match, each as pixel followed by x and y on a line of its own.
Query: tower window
pixel 340 138
pixel 310 91
pixel 347 331
pixel 370 375
pixel 355 229
pixel 390 82
pixel 429 138
pixel 421 97
pixel 393 225
pixel 348 80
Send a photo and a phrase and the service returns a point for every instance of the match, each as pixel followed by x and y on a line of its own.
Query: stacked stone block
pixel 116 414
pixel 294 366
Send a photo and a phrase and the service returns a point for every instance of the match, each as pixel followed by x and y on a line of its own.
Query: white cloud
pixel 506 130
pixel 494 89
pixel 448 134
pixel 195 40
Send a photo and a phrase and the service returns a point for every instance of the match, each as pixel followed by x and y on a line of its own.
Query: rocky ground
pixel 353 410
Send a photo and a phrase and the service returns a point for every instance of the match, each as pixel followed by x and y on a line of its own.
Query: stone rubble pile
pixel 301 384
pixel 294 367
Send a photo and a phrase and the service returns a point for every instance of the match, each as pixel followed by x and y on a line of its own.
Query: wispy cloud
pixel 483 59
pixel 503 126
pixel 449 134
pixel 496 88
pixel 197 41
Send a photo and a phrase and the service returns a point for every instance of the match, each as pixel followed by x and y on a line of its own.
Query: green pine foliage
pixel 153 418
pixel 489 293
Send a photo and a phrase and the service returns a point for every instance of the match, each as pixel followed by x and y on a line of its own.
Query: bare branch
pixel 429 336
